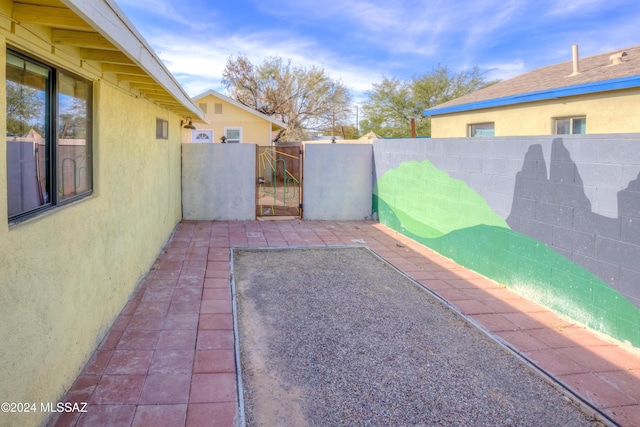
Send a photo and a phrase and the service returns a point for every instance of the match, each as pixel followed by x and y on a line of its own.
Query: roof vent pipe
pixel 576 62
pixel 616 58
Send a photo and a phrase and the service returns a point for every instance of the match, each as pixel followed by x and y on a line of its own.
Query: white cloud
pixel 359 41
pixel 504 70
pixel 198 64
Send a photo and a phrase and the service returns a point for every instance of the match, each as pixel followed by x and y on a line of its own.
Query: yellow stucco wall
pixel 612 112
pixel 255 130
pixel 66 274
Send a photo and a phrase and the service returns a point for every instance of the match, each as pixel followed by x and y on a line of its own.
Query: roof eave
pixel 562 92
pixel 241 106
pixel 110 21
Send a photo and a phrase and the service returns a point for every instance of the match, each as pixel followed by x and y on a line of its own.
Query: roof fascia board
pixel 108 19
pixel 563 92
pixel 239 105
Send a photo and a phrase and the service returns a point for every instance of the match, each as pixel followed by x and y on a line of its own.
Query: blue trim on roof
pixel 582 89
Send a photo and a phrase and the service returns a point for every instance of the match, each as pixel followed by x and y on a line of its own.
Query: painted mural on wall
pixel 445 214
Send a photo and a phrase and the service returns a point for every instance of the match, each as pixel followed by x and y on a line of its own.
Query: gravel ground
pixel 336 337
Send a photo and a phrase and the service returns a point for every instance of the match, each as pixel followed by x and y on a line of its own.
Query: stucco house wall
pixel 67 273
pixel 603 90
pixel 605 112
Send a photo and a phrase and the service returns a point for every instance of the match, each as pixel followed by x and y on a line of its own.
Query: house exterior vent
pixel 616 58
pixel 576 60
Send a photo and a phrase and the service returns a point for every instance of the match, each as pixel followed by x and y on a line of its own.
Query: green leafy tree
pixel 393 102
pixel 344 131
pixel 304 99
pixel 24 107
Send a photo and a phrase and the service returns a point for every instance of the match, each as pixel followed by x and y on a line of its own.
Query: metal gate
pixel 279 189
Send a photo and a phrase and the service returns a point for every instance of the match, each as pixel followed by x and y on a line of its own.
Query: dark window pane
pixel 74 143
pixel 28 178
pixel 162 129
pixel 482 130
pixel 580 125
pixel 563 127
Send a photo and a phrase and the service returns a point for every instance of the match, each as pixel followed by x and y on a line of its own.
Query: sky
pixel 360 42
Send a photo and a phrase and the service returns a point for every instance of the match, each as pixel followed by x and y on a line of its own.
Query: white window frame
pixel 471 126
pixel 202 136
pixel 572 122
pixel 226 134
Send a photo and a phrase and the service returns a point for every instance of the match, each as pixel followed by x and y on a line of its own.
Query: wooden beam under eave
pixel 146 86
pixel 100 55
pixel 86 39
pixel 48 16
pixel 135 79
pixel 157 97
pixel 123 69
pixel 142 88
pixel 157 89
pixel 167 105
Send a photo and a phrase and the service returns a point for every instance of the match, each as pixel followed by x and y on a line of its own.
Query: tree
pixel 24 107
pixel 304 99
pixel 392 103
pixel 345 131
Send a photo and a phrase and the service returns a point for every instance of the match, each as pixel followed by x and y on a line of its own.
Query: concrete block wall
pixel 337 181
pixel 218 181
pixel 579 195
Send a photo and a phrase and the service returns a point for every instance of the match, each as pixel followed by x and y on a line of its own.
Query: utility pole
pixel 357 119
pixel 333 119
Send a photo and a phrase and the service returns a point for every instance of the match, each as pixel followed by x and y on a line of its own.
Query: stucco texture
pixel 66 274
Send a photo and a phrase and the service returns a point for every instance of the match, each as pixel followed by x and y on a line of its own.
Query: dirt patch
pixel 338 337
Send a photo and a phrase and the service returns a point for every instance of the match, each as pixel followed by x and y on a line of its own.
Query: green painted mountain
pixel 444 204
pixel 475 237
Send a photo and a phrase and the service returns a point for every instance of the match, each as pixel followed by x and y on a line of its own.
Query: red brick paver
pixel 169 357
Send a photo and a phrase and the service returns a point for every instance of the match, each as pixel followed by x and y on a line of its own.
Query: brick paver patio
pixel 168 360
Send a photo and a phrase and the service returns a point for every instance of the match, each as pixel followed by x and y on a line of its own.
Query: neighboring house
pixel 593 95
pixel 233 121
pixel 90 185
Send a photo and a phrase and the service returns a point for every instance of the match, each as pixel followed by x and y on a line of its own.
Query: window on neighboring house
pixel 203 107
pixel 482 129
pixel 570 125
pixel 162 129
pixel 49 120
pixel 233 135
pixel 217 109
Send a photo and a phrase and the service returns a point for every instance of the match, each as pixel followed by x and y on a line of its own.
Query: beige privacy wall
pixel 338 181
pixel 218 181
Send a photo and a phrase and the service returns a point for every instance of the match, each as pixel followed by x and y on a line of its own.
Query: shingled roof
pixel 554 81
